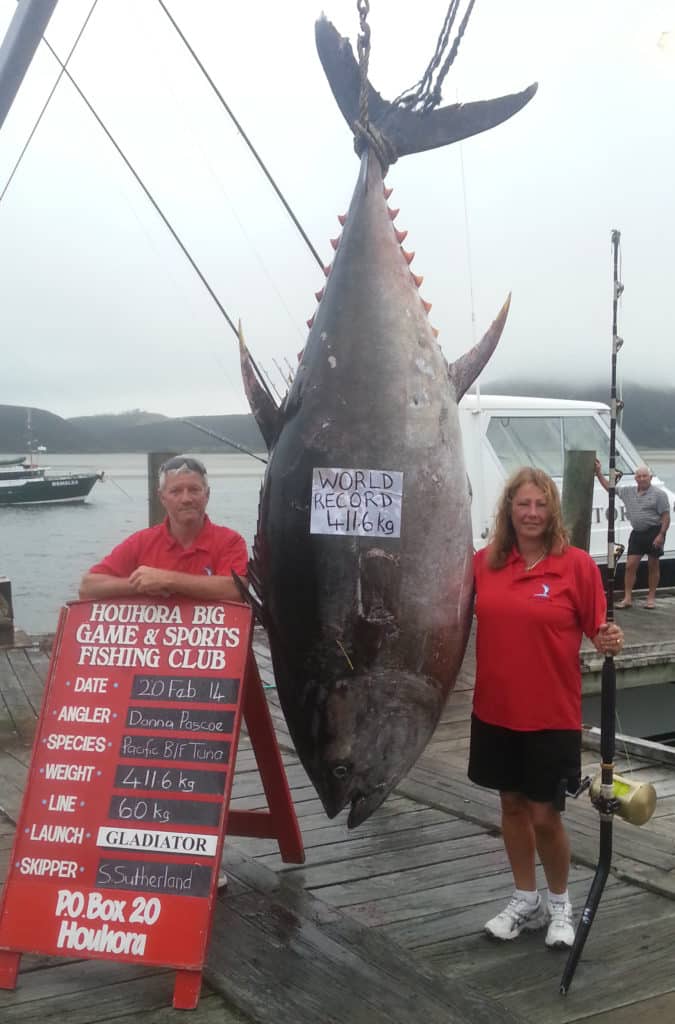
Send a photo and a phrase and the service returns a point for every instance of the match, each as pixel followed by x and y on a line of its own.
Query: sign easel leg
pixel 272 772
pixel 186 989
pixel 9 969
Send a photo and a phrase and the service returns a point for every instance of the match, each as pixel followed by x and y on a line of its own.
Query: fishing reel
pixel 635 802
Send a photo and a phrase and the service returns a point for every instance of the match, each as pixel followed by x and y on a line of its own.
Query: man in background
pixel 184 555
pixel 648 511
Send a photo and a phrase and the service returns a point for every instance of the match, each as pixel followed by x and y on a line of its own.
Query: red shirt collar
pixel 201 541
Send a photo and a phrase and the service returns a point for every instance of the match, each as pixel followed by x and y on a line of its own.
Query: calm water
pixel 45 549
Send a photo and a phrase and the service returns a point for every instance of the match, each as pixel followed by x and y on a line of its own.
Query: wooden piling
pixel 155 507
pixel 6 612
pixel 577 497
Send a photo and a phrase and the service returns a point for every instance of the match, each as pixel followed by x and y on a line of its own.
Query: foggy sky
pixel 100 311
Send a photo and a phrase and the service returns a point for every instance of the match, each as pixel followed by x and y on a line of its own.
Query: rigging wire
pixel 271 383
pixel 218 182
pixel 469 260
pixel 147 192
pixel 153 201
pixel 426 94
pixel 243 134
pixel 47 102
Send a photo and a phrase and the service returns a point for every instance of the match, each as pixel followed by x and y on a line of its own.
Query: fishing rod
pixel 225 440
pixel 605 802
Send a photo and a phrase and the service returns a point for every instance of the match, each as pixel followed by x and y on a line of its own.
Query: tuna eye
pixel 340 770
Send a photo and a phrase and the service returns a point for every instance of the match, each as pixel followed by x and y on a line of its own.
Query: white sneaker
pixel 517 916
pixel 560 934
pixel 222 879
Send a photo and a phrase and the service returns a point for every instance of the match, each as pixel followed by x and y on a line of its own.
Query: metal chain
pixel 366 134
pixel 363 47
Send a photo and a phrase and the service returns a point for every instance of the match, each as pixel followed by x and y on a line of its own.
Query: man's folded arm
pixel 147 581
pixel 207 588
pixel 99 584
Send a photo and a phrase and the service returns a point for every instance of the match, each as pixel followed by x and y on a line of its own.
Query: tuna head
pixel 373 727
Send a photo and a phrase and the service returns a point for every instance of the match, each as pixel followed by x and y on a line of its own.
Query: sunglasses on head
pixel 179 462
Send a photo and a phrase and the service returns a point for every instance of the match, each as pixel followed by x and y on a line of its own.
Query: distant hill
pixel 107 425
pixel 175 435
pixel 55 433
pixel 135 431
pixel 649 420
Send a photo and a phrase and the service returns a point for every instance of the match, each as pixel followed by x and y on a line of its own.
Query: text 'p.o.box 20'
pixel 119 839
pixel 356 502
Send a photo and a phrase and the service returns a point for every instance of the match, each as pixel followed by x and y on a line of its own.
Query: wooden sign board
pixel 121 829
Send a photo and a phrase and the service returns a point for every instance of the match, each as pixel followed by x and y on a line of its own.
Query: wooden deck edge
pixel 21 640
pixel 590 739
pixel 584 849
pixel 334 969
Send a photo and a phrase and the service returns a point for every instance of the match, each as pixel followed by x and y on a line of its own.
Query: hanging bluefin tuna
pixel 362 558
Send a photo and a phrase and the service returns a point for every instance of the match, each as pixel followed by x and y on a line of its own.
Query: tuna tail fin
pixel 263 406
pixel 404 130
pixel 464 371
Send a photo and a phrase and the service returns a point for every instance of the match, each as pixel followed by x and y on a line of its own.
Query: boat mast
pixel 29 436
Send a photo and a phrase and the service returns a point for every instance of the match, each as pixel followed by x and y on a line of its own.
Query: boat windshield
pixel 543 440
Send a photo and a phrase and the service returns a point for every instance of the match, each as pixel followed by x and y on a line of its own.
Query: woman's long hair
pixel 503 536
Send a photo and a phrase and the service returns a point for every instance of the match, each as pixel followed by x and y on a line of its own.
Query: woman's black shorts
pixel 542 765
pixel 641 542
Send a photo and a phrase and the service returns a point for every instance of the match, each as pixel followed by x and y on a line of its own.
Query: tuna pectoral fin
pixel 405 130
pixel 377 622
pixel 248 596
pixel 262 404
pixel 464 371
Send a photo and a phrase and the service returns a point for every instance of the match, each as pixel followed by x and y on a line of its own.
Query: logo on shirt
pixel 545 590
pixel 208 571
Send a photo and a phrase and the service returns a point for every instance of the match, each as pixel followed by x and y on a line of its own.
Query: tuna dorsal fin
pixel 263 406
pixel 464 370
pixel 406 131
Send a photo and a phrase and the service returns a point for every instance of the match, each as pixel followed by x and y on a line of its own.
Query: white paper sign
pixel 357 502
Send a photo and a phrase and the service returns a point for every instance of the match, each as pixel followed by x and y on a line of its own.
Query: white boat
pixel 22 482
pixel 501 433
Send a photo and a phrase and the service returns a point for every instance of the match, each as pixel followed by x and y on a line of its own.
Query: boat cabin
pixel 501 433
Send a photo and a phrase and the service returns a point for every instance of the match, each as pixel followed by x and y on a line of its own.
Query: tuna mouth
pixel 363 804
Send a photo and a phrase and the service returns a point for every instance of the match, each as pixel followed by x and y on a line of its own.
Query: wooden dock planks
pixel 20 687
pixel 385 922
pixel 336 970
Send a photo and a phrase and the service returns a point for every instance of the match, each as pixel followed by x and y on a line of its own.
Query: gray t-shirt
pixel 644 508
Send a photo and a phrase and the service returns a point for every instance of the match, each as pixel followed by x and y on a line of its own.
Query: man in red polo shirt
pixel 186 554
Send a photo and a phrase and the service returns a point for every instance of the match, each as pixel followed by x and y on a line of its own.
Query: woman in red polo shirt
pixel 535 597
